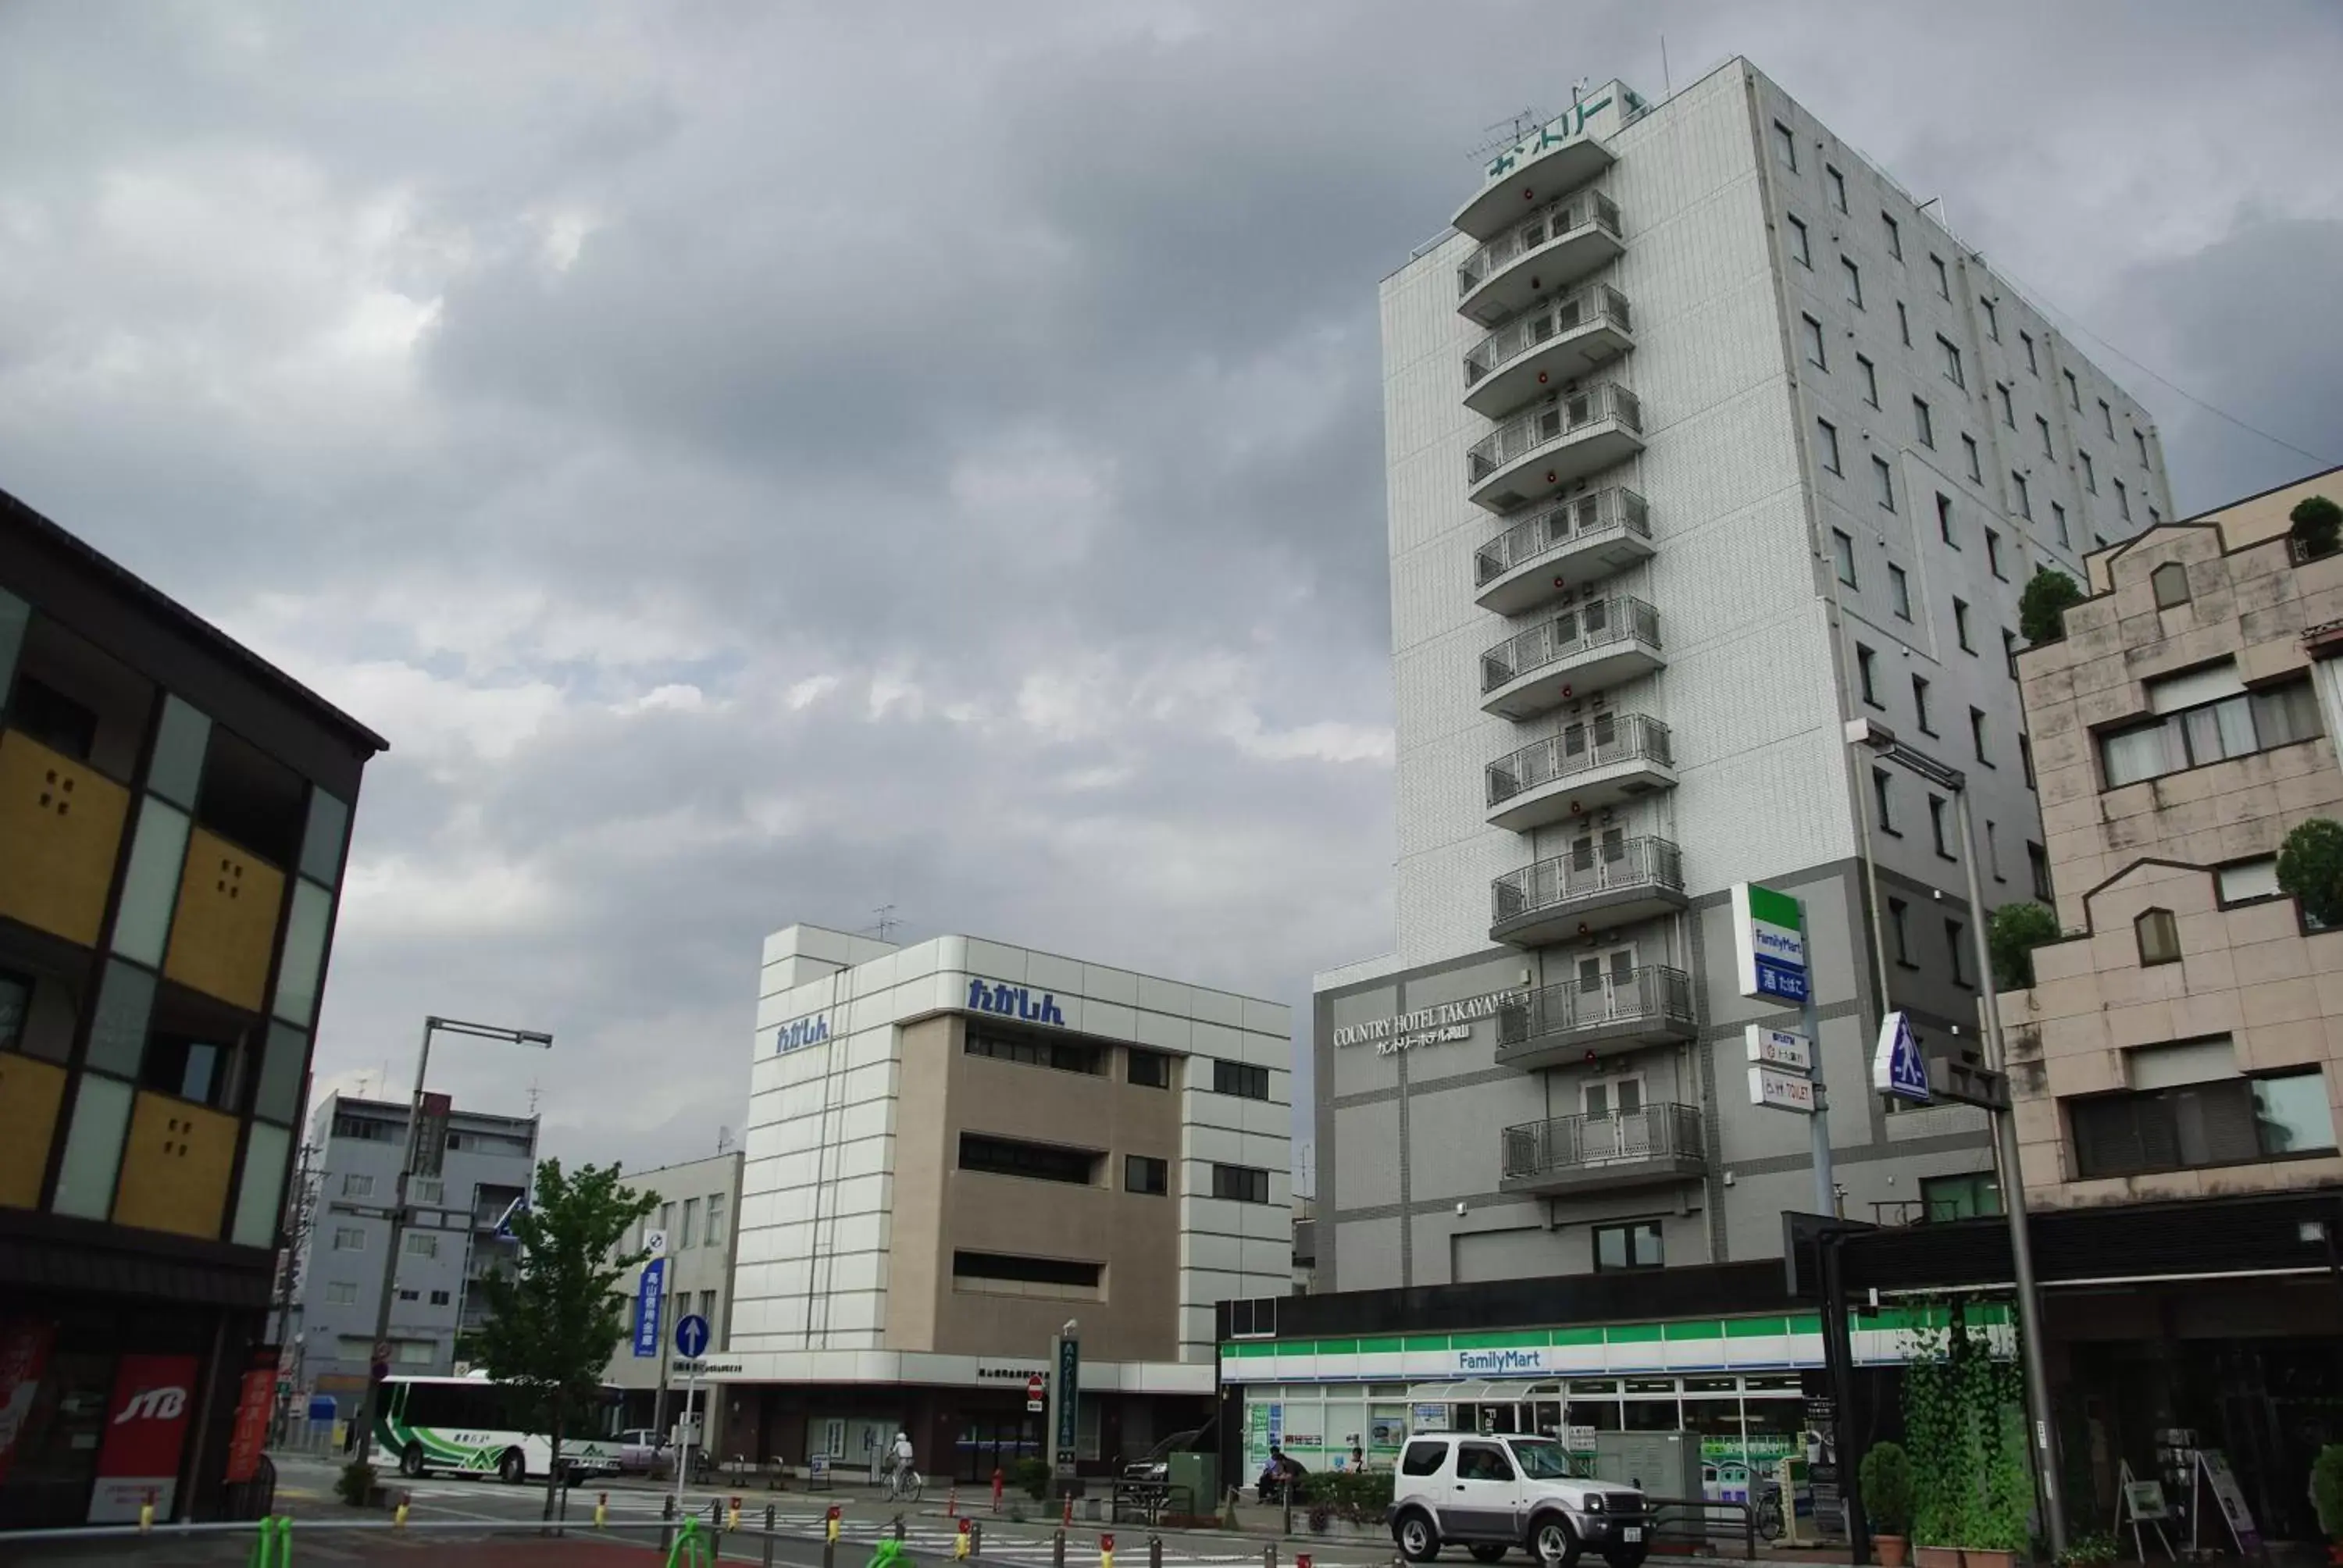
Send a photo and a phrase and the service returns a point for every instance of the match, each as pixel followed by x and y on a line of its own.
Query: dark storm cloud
pixel 762 463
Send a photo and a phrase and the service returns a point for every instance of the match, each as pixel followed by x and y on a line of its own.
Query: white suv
pixel 1492 1494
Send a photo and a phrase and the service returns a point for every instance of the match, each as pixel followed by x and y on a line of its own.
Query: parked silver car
pixel 1492 1494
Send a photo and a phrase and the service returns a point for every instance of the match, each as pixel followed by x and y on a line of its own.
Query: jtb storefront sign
pixel 1013 1001
pixel 145 1426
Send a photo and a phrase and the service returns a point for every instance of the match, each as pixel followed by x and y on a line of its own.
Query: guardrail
pixel 1693 1521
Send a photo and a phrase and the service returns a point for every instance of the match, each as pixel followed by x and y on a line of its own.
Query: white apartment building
pixel 955 1147
pixel 1703 435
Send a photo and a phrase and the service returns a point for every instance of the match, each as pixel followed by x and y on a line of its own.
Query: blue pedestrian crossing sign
pixel 692 1336
pixel 1897 1068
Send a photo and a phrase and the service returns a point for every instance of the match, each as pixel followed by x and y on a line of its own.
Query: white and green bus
pixel 470 1426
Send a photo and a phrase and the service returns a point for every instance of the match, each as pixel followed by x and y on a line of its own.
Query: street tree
pixel 554 1319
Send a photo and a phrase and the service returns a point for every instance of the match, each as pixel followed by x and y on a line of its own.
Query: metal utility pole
pixel 399 1202
pixel 1882 740
pixel 1818 1137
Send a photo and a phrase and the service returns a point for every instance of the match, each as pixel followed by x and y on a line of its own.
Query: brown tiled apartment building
pixel 2184 1038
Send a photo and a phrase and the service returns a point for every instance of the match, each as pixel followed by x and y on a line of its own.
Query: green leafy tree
pixel 2326 1490
pixel 1886 1477
pixel 2310 867
pixel 2318 526
pixel 2011 937
pixel 553 1322
pixel 2042 608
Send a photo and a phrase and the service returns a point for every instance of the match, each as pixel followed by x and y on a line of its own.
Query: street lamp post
pixel 1882 740
pixel 399 1203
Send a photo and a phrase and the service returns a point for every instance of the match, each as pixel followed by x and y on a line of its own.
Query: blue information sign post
pixel 649 1299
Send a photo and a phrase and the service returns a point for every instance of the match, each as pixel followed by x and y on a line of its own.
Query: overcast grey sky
pixel 762 462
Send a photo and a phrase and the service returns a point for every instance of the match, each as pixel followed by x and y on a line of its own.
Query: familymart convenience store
pixel 1751 1386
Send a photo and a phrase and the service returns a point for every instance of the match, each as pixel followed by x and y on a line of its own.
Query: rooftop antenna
pixel 1578 90
pixel 887 921
pixel 1514 129
pixel 533 1092
pixel 723 1139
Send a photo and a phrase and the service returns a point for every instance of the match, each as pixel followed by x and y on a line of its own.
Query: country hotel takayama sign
pixel 1448 1021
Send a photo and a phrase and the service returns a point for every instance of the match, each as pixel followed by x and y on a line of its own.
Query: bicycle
pixel 1769 1511
pixel 904 1485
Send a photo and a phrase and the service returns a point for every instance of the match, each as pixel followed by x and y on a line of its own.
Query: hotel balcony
pixel 1547 166
pixel 1550 346
pixel 1590 645
pixel 1577 433
pixel 1587 537
pixel 1613 880
pixel 1654 1144
pixel 1592 763
pixel 1562 244
pixel 1600 1013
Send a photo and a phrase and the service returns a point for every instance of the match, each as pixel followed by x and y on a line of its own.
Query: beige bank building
pixel 958 1147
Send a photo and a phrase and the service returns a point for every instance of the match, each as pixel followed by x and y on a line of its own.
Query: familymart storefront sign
pixel 1440 1025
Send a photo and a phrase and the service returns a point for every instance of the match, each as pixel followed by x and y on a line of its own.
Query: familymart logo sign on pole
pixel 1769 940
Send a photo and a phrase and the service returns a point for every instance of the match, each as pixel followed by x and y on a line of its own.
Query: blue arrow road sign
pixel 647 1307
pixel 692 1335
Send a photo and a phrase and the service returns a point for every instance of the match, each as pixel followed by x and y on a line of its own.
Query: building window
pixel 1920 704
pixel 2074 392
pixel 1870 381
pixel 2090 473
pixel 2123 501
pixel 1944 278
pixel 1854 282
pixel 2025 496
pixel 1241 1183
pixel 2032 364
pixel 1899 593
pixel 1843 556
pixel 1992 554
pixel 407 1295
pixel 1065 1055
pixel 2037 865
pixel 1814 334
pixel 2224 1122
pixel 1976 1196
pixel 689 1235
pixel 357 1186
pixel 1785 147
pixel 715 1234
pixel 707 1306
pixel 1993 852
pixel 2008 409
pixel 1244 1083
pixel 2026 758
pixel 1837 182
pixel 1865 663
pixel 341 1293
pixel 439 1298
pixel 2171 584
pixel 1953 933
pixel 1883 792
pixel 1949 355
pixel 666 1218
pixel 2158 936
pixel 1252 1318
pixel 2058 525
pixel 1146 1173
pixel 2009 652
pixel 1826 437
pixel 2106 419
pixel 2208 732
pixel 1899 933
pixel 1884 481
pixel 1961 625
pixel 2141 442
pixel 1924 423
pixel 1976 735
pixel 2242 880
pixel 1801 251
pixel 1147 1069
pixel 1634 1246
pixel 992 1156
pixel 1894 236
pixel 1992 319
pixel 422 1245
pixel 1018 1276
pixel 1904 324
pixel 1938 826
pixel 1944 517
pixel 2154 516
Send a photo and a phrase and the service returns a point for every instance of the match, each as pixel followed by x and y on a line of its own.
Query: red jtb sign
pixel 146 1427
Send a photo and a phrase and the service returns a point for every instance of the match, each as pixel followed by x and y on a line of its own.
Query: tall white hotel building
pixel 1703 437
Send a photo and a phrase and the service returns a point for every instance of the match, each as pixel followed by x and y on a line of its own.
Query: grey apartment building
pixel 699 1212
pixel 449 1244
pixel 1703 437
